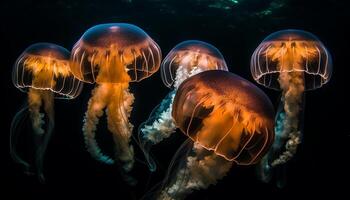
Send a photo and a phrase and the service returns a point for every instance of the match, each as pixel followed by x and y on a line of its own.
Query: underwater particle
pixel 272 7
pixel 228 121
pixel 112 56
pixel 222 4
pixel 293 61
pixel 186 59
pixel 42 71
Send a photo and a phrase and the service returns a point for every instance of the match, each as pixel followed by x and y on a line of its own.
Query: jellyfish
pixel 42 71
pixel 292 61
pixel 183 61
pixel 228 121
pixel 112 56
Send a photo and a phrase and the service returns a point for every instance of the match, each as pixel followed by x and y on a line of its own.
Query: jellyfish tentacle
pixel 264 169
pixel 157 127
pixel 287 129
pixel 204 167
pixel 161 121
pixel 43 140
pixel 35 102
pixel 37 99
pixel 18 119
pixel 292 85
pixel 118 112
pixel 95 110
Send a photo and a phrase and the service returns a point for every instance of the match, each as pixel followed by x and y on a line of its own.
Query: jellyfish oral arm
pixel 287 124
pixel 118 113
pixel 156 128
pixel 202 169
pixel 15 131
pixel 35 103
pixel 163 125
pixel 265 169
pixel 37 99
pixel 182 73
pixel 96 105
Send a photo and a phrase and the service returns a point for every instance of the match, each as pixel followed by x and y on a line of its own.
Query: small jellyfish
pixel 112 56
pixel 293 61
pixel 42 71
pixel 183 61
pixel 228 121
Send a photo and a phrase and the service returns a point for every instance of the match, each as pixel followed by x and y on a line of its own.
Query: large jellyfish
pixel 183 61
pixel 228 121
pixel 293 61
pixel 42 71
pixel 113 55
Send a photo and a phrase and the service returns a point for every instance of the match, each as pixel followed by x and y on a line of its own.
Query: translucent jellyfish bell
pixel 45 66
pixel 291 51
pixel 229 121
pixel 185 60
pixel 115 53
pixel 293 61
pixel 226 114
pixel 42 71
pixel 112 55
pixel 189 58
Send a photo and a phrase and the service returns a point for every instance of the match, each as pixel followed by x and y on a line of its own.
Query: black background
pixel 320 166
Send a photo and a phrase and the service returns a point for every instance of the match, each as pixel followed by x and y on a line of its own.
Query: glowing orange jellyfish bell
pixel 226 114
pixel 289 51
pixel 190 57
pixel 45 66
pixel 113 55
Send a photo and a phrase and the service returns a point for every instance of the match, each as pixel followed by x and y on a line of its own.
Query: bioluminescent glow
pixel 185 60
pixel 228 121
pixel 42 71
pixel 293 61
pixel 112 56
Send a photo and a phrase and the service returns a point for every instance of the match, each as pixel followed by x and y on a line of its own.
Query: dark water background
pixel 320 166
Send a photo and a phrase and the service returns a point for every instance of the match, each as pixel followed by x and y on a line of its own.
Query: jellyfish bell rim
pixel 253 161
pixel 58 95
pixel 208 49
pixel 107 82
pixel 259 79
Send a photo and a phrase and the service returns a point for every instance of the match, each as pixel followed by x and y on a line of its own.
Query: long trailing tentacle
pixel 175 165
pixel 16 123
pixel 35 101
pixel 287 129
pixel 43 140
pixel 42 131
pixel 118 113
pixel 96 105
pixel 202 169
pixel 265 170
pixel 158 126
